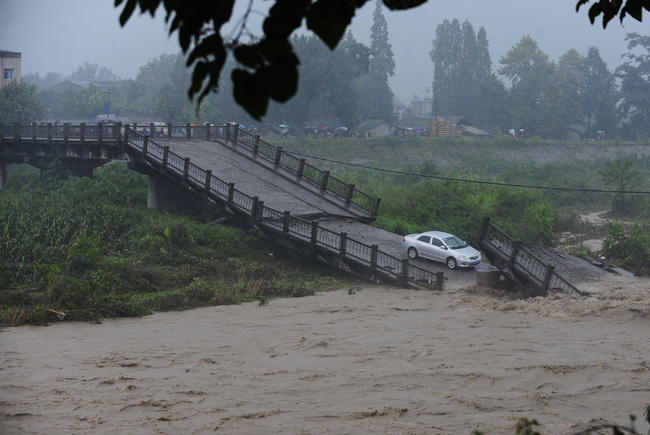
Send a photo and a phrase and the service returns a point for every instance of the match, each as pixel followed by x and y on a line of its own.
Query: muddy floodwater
pixel 369 360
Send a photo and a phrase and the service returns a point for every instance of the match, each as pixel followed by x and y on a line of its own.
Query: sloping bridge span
pixel 307 237
pixel 520 265
pixel 309 194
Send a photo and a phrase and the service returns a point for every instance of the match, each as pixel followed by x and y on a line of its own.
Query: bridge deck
pixel 277 191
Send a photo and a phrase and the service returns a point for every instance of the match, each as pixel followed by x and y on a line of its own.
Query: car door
pixel 438 250
pixel 424 247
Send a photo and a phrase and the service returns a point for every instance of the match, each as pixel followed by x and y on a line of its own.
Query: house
pixel 78 86
pixel 454 126
pixel 10 63
pixel 375 128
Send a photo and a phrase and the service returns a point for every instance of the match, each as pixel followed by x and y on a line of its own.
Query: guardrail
pixel 306 232
pixel 273 156
pixel 61 132
pixel 278 159
pixel 523 262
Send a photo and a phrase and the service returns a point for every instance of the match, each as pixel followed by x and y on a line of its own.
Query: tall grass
pixel 82 249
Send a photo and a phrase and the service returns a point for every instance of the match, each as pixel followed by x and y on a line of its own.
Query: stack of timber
pixel 443 128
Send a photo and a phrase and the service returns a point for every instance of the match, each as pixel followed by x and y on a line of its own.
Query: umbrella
pixel 341 128
pixel 284 126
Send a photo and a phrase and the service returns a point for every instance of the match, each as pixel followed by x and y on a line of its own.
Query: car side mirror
pixel 443 247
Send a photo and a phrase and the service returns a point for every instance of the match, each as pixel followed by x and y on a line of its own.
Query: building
pixel 10 66
pixel 375 128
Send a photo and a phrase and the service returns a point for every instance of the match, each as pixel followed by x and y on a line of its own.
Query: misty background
pixel 60 36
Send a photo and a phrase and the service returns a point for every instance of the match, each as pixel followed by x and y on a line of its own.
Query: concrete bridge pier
pixel 164 196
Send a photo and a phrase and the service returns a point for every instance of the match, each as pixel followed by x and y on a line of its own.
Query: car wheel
pixel 413 253
pixel 451 263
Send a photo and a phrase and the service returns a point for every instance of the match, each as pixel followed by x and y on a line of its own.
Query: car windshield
pixel 455 243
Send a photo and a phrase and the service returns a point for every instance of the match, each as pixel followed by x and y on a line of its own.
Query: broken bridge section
pixel 281 198
pixel 521 264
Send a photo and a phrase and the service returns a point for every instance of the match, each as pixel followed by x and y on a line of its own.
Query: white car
pixel 443 247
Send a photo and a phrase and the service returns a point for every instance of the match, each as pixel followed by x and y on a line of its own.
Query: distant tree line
pixel 350 84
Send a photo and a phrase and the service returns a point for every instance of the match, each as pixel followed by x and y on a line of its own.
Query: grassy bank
pixel 84 249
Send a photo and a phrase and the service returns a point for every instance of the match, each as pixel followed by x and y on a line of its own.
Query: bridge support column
pixel 166 197
pixel 3 174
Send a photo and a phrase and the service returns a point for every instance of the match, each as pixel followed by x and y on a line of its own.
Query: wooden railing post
pixel 301 168
pixel 186 169
pixel 152 130
pixel 208 179
pixel 323 182
pixel 405 273
pixel 373 257
pixel 236 132
pixel 515 251
pixel 2 131
pixel 82 132
pixel 484 228
pixel 49 132
pixel 165 156
pixel 118 131
pixel 17 132
pixel 188 131
pixel 33 131
pixel 547 278
pixel 278 156
pixel 375 209
pixel 314 234
pixel 259 215
pixel 66 132
pixel 343 249
pixel 207 131
pixel 231 193
pixel 145 146
pixel 254 210
pixel 170 127
pixel 285 222
pixel 440 281
pixel 348 197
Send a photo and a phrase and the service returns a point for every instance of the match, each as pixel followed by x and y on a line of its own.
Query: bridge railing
pixel 61 132
pixel 528 264
pixel 300 229
pixel 277 158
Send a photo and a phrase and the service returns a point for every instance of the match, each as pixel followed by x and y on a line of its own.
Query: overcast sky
pixel 60 35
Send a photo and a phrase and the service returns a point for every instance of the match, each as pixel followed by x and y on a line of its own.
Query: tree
pixel 50 79
pixel 600 94
pixel 93 73
pixel 571 78
pixel 20 102
pixel 328 83
pixel 446 54
pixel 623 175
pixel 269 66
pixel 635 87
pixel 536 98
pixel 376 97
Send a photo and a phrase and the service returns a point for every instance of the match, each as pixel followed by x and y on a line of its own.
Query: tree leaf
pixel 398 5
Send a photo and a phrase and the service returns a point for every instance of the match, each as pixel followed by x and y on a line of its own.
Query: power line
pixel 463 180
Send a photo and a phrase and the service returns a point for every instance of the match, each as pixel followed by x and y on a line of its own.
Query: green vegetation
pixel 419 193
pixel 89 249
